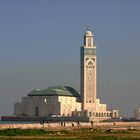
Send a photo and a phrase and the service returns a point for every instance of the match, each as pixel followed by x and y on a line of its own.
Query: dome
pixel 88 33
pixel 55 91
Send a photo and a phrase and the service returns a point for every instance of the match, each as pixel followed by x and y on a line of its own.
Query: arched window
pixel 89 42
pixel 36 111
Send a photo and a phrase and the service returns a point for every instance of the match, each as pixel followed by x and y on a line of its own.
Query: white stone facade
pixel 88 72
pixel 68 105
pixel 91 106
pixel 46 106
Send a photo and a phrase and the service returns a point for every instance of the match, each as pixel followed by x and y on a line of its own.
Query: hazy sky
pixel 40 44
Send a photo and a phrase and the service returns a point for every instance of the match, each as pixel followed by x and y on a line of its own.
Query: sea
pixel 17 122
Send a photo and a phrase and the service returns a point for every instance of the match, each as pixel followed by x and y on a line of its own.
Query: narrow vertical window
pixel 89 42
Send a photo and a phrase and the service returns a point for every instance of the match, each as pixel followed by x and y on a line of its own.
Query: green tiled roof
pixel 55 91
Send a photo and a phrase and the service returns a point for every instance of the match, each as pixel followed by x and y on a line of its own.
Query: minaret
pixel 88 72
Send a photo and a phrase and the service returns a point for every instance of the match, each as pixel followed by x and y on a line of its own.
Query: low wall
pixel 105 125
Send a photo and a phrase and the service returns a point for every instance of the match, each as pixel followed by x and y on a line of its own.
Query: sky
pixel 40 44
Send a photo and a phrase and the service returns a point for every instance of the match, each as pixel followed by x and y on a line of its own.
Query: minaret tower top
pixel 88 32
pixel 88 39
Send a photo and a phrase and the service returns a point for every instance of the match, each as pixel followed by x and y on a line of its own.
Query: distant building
pixel 66 101
pixel 137 113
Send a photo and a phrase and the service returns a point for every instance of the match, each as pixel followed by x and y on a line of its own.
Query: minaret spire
pixel 88 28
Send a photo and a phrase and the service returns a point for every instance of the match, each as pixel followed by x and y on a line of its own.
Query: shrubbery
pixel 23 132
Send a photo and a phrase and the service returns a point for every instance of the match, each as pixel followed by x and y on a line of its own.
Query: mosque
pixel 64 101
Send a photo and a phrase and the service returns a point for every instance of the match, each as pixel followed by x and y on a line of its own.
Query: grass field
pixel 74 134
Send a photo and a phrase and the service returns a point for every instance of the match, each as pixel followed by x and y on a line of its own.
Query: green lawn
pixel 75 134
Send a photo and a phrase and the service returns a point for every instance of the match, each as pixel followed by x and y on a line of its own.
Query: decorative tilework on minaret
pixel 88 72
